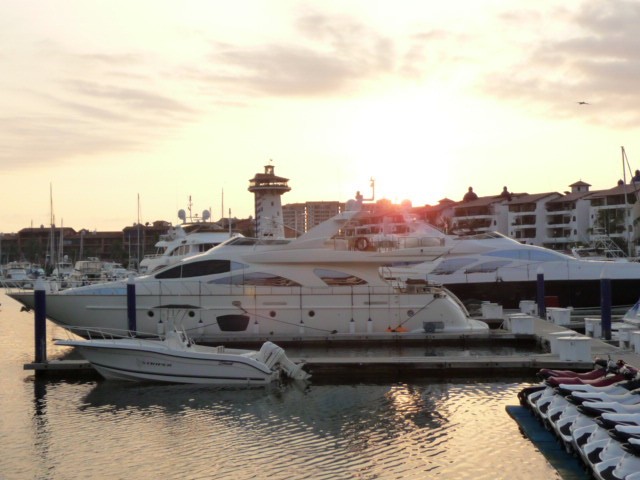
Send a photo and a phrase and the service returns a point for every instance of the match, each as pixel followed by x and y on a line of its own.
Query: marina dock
pixel 324 364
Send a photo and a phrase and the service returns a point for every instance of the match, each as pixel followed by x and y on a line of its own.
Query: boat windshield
pixel 532 254
pixel 482 236
pixel 249 241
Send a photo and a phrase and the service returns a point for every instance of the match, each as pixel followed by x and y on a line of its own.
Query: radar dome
pixel 351 205
pixel 206 215
pixel 182 215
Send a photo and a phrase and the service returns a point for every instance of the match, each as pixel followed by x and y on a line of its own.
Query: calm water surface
pixel 94 429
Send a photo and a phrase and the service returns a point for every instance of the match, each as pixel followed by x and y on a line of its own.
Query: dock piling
pixel 542 309
pixel 131 305
pixel 605 305
pixel 40 318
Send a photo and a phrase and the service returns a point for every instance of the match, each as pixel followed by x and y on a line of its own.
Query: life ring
pixel 362 243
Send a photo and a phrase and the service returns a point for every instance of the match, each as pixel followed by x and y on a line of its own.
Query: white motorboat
pixel 183 241
pixel 63 270
pixel 115 271
pixel 326 282
pixel 86 272
pixel 175 358
pixel 499 269
pixel 16 274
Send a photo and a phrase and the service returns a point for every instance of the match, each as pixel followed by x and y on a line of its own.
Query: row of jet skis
pixel 595 414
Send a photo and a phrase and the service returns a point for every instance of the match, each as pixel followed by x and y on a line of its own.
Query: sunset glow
pixel 110 102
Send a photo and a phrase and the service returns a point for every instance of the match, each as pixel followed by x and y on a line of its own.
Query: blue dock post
pixel 605 304
pixel 542 309
pixel 131 306
pixel 40 317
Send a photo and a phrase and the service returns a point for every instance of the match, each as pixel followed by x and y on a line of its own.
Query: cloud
pixel 133 99
pixel 83 104
pixel 30 141
pixel 330 56
pixel 597 61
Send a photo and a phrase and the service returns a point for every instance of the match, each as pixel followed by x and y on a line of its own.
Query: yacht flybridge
pixel 183 241
pixel 328 281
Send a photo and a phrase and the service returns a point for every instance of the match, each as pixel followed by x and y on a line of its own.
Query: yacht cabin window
pixel 198 269
pixel 334 278
pixel 488 267
pixel 451 265
pixel 256 279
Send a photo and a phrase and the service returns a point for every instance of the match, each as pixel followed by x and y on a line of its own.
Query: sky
pixel 117 111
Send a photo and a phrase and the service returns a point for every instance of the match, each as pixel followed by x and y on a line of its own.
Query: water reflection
pixel 98 429
pixel 282 431
pixel 368 413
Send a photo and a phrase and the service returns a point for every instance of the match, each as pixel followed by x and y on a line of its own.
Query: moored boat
pixel 493 267
pixel 175 358
pixel 323 283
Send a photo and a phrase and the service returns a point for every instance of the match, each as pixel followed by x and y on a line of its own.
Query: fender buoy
pixel 362 243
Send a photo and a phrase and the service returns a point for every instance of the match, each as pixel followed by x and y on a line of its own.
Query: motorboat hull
pixel 151 361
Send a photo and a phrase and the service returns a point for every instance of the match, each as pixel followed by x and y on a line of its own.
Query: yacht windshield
pixel 449 266
pixel 198 269
pixel 531 254
pixel 248 241
pixel 487 267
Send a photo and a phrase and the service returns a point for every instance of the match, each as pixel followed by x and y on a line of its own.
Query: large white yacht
pixel 492 267
pixel 328 281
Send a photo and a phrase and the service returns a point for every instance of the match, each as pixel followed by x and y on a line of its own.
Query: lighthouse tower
pixel 267 189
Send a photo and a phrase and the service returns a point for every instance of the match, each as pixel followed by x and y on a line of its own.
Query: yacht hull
pixel 579 294
pixel 213 311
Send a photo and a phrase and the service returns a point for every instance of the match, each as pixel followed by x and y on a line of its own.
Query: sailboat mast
pixel 52 247
pixel 138 249
pixel 627 208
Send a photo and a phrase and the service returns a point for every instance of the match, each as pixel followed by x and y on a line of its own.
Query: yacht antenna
pixel 372 184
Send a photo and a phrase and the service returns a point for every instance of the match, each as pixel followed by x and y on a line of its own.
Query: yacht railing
pixel 383 243
pixel 89 333
pixel 197 289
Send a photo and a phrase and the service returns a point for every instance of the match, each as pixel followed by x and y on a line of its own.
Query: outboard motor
pixel 272 355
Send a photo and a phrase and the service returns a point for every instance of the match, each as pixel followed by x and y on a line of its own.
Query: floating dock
pixel 324 364
pixel 567 466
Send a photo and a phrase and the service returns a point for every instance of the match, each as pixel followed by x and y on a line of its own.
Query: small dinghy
pixel 175 358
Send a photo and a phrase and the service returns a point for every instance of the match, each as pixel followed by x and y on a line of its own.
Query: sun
pixel 406 144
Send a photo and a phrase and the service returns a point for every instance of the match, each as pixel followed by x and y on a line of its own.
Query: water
pixel 65 429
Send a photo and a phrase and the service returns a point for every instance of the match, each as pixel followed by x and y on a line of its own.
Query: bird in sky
pixel 583 103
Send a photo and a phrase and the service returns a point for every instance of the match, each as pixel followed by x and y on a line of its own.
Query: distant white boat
pixel 115 271
pixel 175 358
pixel 86 272
pixel 16 274
pixel 183 241
pixel 63 269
